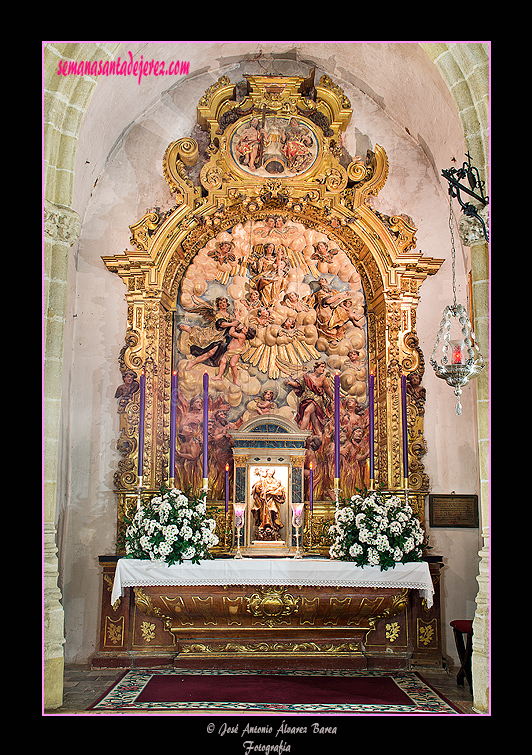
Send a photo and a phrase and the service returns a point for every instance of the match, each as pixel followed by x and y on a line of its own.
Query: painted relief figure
pixel 239 335
pixel 271 274
pixel 274 146
pixel 333 310
pixel 271 310
pixel 189 454
pixel 315 398
pixel 248 144
pixel 297 143
pixel 208 344
pixel 128 388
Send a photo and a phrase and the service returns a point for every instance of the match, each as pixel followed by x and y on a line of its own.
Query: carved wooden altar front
pixel 268 626
pixel 271 272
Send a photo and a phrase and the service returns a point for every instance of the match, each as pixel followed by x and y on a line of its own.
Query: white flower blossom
pixel 171 533
pixel 373 557
pixel 409 544
pixel 359 518
pixel 381 543
pixel 374 523
pixel 165 548
pixel 185 531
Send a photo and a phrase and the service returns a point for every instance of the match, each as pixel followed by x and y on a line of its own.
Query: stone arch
pixel 465 68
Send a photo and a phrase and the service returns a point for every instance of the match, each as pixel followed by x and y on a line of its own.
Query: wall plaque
pixel 453 510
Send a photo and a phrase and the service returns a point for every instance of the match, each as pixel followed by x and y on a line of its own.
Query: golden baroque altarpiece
pixel 272 272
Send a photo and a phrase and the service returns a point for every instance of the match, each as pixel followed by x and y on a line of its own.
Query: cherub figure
pixel 415 391
pixel 322 253
pixel 293 301
pixel 262 318
pixel 266 404
pixel 223 252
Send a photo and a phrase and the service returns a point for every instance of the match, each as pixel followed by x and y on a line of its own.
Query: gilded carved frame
pixel 331 197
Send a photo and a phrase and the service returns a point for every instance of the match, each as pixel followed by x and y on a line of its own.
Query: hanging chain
pixel 453 250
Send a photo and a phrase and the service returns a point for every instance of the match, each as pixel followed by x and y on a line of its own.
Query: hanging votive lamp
pixel 460 358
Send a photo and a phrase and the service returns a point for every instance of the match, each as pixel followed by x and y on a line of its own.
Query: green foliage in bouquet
pixel 171 527
pixel 377 530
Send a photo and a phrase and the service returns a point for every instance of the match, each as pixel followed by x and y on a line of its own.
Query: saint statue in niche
pixel 268 494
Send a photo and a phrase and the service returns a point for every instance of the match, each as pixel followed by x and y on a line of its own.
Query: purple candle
pixel 142 407
pixel 226 488
pixel 311 489
pixel 371 426
pixel 205 426
pixel 405 426
pixel 337 426
pixel 173 418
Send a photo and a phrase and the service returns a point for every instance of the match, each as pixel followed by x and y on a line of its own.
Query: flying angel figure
pixel 333 309
pixel 209 343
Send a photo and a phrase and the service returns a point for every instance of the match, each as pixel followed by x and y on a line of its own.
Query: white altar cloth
pixel 271 571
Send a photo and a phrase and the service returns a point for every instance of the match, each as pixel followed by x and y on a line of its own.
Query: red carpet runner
pixel 292 690
pixel 280 691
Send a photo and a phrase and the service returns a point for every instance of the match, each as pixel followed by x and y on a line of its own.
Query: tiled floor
pixel 82 687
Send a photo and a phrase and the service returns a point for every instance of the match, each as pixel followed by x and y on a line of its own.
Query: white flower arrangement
pixel 171 527
pixel 376 530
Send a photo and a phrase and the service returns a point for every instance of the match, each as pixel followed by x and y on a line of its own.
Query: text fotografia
pixel 119 67
pixel 251 746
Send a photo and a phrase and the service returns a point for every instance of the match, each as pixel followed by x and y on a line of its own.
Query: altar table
pixel 274 571
pixel 309 613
